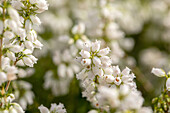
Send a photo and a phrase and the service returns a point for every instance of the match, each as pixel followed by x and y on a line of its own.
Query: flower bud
pixel 168 84
pixel 18 108
pixel 78 29
pixel 84 54
pixel 96 46
pixel 104 51
pixel 3 77
pixel 27 61
pixel 12 110
pixel 43 109
pixel 28 25
pixel 11 55
pixel 109 78
pixel 35 20
pixel 29 45
pixel 97 61
pixel 38 44
pixel 16 48
pixel 158 72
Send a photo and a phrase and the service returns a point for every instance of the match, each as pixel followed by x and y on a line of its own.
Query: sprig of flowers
pixel 18 40
pixel 162 102
pixel 98 71
pixel 54 109
pixel 161 73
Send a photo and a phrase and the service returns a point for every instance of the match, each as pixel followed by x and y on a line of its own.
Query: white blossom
pixel 158 72
pixel 168 84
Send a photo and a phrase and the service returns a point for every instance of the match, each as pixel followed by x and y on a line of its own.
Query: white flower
pixel 124 90
pixel 79 44
pixel 93 111
pixel 11 72
pixel 22 73
pixel 8 34
pixel 81 75
pixel 145 110
pixel 28 26
pixel 108 96
pixel 133 101
pixel 13 14
pixel 29 45
pixel 28 61
pixel 35 20
pixel 12 24
pixel 104 51
pixel 22 33
pixel 97 61
pixel 43 109
pixel 70 72
pixel 84 54
pixel 18 108
pixel 32 36
pixel 3 77
pixel 109 78
pixel 86 62
pixel 117 81
pixel 34 60
pixel 12 110
pixel 42 5
pixel 78 29
pixel 168 84
pixel 38 44
pixel 158 72
pixel 126 71
pixel 96 46
pixel 54 109
pixel 17 4
pixel 62 70
pixel 116 71
pixel 57 108
pixel 106 60
pixel 11 55
pixel 16 48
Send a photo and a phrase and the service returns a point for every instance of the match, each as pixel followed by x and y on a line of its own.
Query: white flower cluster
pixel 23 94
pixel 123 100
pixel 8 106
pixel 54 109
pixel 99 71
pixel 66 66
pixel 161 73
pixel 18 41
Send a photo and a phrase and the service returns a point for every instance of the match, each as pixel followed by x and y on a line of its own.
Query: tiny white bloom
pixel 158 72
pixel 86 62
pixel 84 54
pixel 109 78
pixel 78 29
pixel 104 51
pixel 97 61
pixel 117 81
pixel 35 20
pixel 11 55
pixel 43 109
pixel 3 77
pixel 116 71
pixel 96 46
pixel 168 84
pixel 28 61
pixel 18 108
